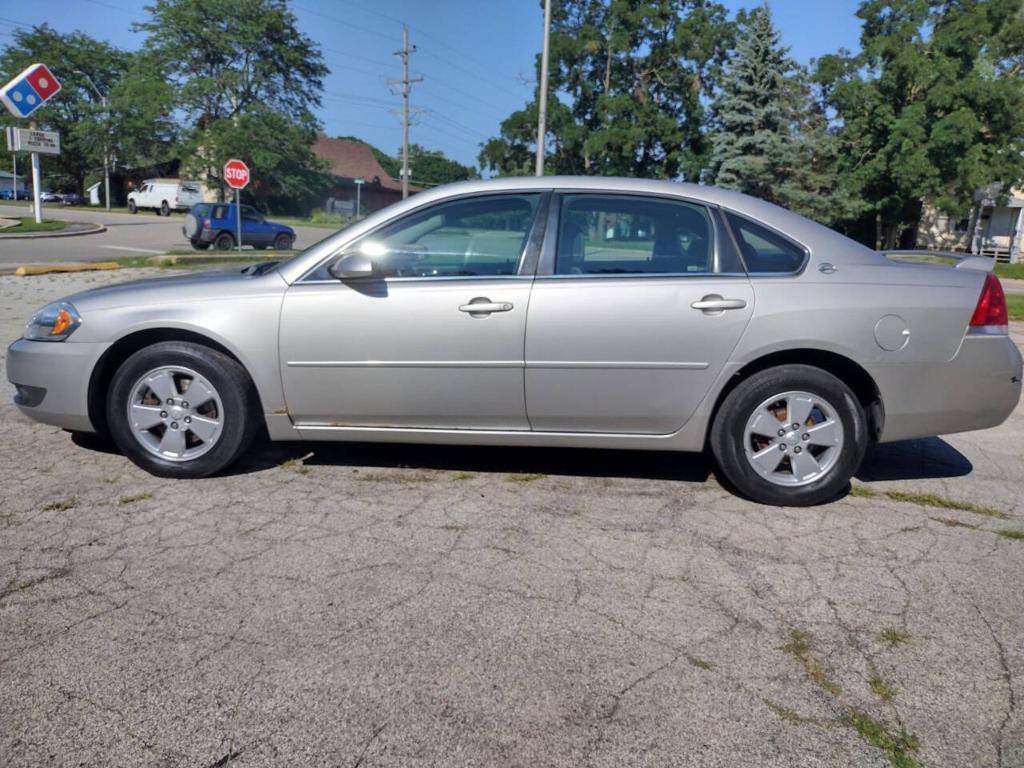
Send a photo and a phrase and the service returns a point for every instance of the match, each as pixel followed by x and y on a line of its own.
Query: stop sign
pixel 236 174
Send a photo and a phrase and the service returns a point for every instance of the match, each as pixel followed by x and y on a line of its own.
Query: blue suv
pixel 216 224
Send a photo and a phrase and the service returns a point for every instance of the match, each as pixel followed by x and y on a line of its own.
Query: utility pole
pixel 106 136
pixel 542 96
pixel 406 83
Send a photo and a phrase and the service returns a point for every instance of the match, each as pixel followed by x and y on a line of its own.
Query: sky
pixel 476 56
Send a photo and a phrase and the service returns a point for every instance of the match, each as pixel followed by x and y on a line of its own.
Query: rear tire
pixel 223 395
pixel 816 459
pixel 224 242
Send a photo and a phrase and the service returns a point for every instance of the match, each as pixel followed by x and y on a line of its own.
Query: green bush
pixel 325 217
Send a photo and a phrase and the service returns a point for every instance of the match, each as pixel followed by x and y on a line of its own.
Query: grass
pixel 1011 533
pixel 899 747
pixel 199 260
pixel 1010 271
pixel 61 506
pixel 135 497
pixel 941 502
pixel 1015 305
pixel 524 477
pixel 28 224
pixel 296 466
pixel 929 500
pixel 894 636
pixel 880 688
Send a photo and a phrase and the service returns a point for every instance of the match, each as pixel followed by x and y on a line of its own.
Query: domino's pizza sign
pixel 30 90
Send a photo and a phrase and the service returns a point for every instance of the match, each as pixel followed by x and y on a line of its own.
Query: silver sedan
pixel 572 312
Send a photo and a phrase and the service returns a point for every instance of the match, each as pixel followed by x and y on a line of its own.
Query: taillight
pixel 990 315
pixel 206 223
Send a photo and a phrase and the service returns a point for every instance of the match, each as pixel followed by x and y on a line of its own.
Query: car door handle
pixel 715 303
pixel 481 306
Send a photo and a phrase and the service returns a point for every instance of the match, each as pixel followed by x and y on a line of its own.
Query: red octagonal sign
pixel 236 174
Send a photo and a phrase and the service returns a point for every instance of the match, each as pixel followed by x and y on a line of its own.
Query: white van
pixel 165 195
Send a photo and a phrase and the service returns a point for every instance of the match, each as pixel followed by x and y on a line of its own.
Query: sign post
pixel 22 96
pixel 236 174
pixel 359 188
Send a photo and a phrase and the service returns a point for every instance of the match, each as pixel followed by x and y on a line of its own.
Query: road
pixel 357 605
pixel 126 235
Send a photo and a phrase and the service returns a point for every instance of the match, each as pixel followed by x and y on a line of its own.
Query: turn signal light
pixel 990 315
pixel 63 322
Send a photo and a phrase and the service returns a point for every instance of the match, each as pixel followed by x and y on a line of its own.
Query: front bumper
pixel 52 380
pixel 977 389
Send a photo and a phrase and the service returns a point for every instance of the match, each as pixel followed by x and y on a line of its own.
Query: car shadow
pixel 930 457
pixel 921 459
pixel 646 465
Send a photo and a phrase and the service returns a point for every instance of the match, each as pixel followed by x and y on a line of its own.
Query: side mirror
pixel 352 266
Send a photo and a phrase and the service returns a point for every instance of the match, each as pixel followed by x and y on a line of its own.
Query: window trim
pixel 727 212
pixel 534 240
pixel 546 266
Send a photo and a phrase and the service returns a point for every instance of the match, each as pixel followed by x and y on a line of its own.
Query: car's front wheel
pixel 132 207
pixel 283 242
pixel 179 409
pixel 165 209
pixel 790 436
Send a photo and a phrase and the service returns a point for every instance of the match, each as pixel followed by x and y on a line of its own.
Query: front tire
pixel 179 409
pixel 792 435
pixel 283 242
pixel 132 207
pixel 165 209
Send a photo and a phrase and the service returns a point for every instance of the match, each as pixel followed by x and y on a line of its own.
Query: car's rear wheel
pixel 165 209
pixel 283 242
pixel 224 242
pixel 179 409
pixel 132 207
pixel 790 436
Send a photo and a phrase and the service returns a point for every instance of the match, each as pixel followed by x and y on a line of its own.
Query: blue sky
pixel 476 56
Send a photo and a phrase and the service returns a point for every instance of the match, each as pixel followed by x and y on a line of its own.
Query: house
pixel 993 227
pixel 6 184
pixel 349 161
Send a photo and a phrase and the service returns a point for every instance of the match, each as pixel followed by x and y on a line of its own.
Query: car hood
pixel 194 286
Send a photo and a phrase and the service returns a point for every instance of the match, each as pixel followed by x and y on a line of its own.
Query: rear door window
pixel 633 235
pixel 763 250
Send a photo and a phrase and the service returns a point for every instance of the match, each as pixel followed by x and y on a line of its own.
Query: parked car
pixel 165 195
pixel 569 312
pixel 50 197
pixel 9 194
pixel 216 224
pixel 70 198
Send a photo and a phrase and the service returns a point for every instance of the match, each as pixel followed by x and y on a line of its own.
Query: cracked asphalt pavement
pixel 354 605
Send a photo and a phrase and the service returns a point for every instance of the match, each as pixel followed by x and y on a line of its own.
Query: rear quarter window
pixel 763 250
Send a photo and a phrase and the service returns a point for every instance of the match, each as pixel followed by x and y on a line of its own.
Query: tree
pixel 430 167
pixel 632 78
pixel 248 80
pixel 753 148
pixel 931 108
pixel 76 112
pixel 772 138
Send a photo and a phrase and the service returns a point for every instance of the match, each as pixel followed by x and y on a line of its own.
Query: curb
pixel 97 229
pixel 26 270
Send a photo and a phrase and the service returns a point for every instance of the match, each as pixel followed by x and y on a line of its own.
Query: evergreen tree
pixel 753 148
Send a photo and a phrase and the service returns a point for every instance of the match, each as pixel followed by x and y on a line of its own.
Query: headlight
pixel 54 322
